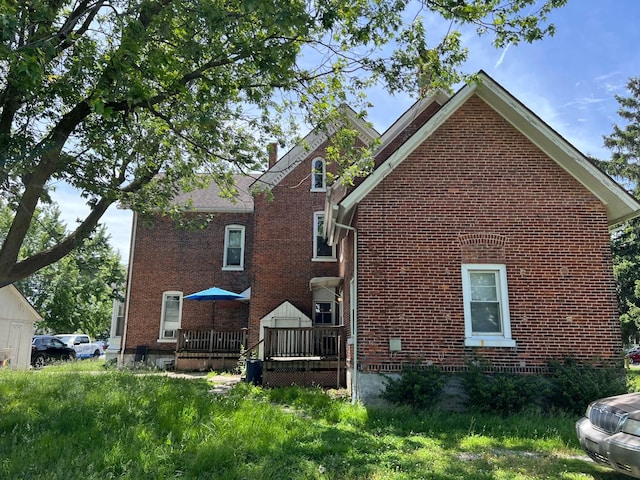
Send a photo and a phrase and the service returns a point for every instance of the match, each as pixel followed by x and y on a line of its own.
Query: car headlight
pixel 631 426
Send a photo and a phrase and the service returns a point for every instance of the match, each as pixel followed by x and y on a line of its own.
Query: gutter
pixel 354 307
pixel 125 325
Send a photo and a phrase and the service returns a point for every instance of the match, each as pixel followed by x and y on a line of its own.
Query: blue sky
pixel 568 80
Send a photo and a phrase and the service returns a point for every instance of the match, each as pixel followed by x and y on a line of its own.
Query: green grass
pixel 60 423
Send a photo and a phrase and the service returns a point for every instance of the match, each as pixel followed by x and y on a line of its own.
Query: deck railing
pixel 211 341
pixel 304 342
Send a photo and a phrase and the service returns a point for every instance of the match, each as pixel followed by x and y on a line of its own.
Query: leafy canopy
pixel 76 293
pixel 106 94
pixel 624 164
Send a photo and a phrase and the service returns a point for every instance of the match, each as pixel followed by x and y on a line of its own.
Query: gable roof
pixel 620 204
pixel 21 303
pixel 208 200
pixel 289 161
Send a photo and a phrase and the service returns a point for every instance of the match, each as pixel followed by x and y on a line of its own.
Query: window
pixel 318 175
pixel 486 306
pixel 324 306
pixel 119 320
pixel 323 313
pixel 233 248
pixel 171 315
pixel 321 249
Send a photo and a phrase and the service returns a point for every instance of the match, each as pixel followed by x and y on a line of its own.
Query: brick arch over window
pixel 482 247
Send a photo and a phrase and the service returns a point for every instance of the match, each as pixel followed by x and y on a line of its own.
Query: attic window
pixel 318 175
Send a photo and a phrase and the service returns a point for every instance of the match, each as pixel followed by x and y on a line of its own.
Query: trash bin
pixel 254 371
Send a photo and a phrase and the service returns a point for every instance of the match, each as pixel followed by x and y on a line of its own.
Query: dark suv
pixel 45 348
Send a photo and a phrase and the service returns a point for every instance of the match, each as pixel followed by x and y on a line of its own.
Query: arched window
pixel 318 175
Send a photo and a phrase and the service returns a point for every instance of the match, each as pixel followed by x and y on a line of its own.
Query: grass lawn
pixel 67 422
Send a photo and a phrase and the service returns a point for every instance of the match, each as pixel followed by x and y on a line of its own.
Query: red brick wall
pixel 168 258
pixel 283 248
pixel 478 191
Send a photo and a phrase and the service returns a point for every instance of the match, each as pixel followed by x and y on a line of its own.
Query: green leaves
pixel 106 96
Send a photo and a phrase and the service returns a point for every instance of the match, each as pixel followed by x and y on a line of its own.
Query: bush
pixel 502 393
pixel 575 384
pixel 418 386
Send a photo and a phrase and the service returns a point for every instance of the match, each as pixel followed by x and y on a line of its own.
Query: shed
pixel 17 318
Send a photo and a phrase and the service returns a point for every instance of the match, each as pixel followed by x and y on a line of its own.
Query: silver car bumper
pixel 619 451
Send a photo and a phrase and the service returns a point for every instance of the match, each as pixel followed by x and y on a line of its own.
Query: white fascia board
pixel 620 205
pixel 441 97
pixel 408 147
pixel 19 296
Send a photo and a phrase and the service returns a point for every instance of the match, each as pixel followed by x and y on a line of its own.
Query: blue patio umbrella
pixel 213 294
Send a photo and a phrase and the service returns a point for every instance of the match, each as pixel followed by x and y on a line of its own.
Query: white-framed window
pixel 321 249
pixel 318 175
pixel 171 316
pixel 233 247
pixel 486 306
pixel 324 307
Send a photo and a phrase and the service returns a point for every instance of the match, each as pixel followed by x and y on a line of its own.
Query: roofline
pixel 289 161
pixel 16 291
pixel 621 205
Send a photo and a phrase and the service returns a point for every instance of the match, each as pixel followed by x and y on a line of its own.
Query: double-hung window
pixel 322 251
pixel 318 175
pixel 171 315
pixel 233 248
pixel 486 306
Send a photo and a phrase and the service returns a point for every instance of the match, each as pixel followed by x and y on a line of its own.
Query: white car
pixel 82 344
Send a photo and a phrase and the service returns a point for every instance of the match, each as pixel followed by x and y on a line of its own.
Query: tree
pixel 76 293
pixel 126 99
pixel 624 164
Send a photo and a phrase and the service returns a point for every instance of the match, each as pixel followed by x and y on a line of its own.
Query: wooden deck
pixel 302 356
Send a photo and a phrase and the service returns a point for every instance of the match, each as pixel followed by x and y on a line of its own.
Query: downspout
pixel 354 320
pixel 132 245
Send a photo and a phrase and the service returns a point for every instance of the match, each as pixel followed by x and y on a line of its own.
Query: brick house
pixel 481 231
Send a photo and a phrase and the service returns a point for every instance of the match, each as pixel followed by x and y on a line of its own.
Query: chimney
pixel 272 149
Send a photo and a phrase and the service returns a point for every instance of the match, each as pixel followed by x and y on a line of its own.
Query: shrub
pixel 419 386
pixel 502 393
pixel 575 384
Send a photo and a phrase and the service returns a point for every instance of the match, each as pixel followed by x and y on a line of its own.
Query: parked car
pixel 610 433
pixel 634 356
pixel 45 348
pixel 82 344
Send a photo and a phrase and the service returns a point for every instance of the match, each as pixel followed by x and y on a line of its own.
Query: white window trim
pixel 315 258
pixel 471 340
pixel 227 229
pixel 314 172
pixel 161 339
pixel 325 295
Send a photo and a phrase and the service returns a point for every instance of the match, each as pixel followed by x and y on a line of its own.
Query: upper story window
pixel 171 315
pixel 322 251
pixel 486 306
pixel 318 175
pixel 233 248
